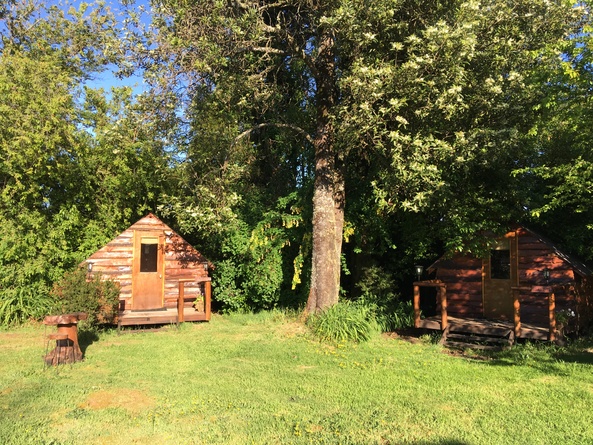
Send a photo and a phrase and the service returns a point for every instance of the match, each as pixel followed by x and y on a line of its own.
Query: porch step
pixel 464 336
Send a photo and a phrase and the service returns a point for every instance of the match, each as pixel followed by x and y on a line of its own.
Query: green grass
pixel 259 379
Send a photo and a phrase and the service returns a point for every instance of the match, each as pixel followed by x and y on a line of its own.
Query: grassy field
pixel 259 379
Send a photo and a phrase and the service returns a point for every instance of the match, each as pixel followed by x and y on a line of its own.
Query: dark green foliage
pixel 34 252
pixel 377 286
pixel 77 292
pixel 445 126
pixel 377 293
pixel 342 322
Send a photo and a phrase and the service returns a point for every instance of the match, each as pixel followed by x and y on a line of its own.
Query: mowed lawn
pixel 261 379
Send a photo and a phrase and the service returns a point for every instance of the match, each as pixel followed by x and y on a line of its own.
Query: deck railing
pixel 442 291
pixel 442 295
pixel 181 298
pixel 551 308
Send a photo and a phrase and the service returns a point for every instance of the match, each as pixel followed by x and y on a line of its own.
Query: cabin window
pixel 500 264
pixel 149 250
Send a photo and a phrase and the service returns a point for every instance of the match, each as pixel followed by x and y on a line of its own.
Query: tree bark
pixel 329 189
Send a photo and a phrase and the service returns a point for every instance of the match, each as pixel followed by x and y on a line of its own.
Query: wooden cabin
pixel 526 282
pixel 162 278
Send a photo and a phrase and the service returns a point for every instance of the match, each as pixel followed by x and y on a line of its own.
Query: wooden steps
pixel 485 327
pixel 470 336
pixel 166 316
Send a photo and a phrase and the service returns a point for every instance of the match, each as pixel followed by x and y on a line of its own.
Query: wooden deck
pixel 164 316
pixel 485 327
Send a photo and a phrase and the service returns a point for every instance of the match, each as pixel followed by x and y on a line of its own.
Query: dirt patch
pixel 131 400
pixel 403 335
pixel 305 367
pixel 293 329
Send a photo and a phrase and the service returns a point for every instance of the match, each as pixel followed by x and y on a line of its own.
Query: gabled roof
pixel 577 265
pixel 179 246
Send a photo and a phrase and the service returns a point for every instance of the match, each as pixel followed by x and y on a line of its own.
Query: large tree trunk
pixel 328 194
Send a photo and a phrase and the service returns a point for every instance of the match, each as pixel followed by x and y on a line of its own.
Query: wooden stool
pixel 60 352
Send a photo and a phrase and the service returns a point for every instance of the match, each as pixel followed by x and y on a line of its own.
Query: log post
pixel 416 305
pixel 443 294
pixel 207 298
pixel 517 312
pixel 552 315
pixel 180 302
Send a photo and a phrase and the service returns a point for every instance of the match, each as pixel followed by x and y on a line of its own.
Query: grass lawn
pixel 259 379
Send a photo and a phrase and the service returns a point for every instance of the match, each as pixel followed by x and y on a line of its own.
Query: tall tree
pixel 424 96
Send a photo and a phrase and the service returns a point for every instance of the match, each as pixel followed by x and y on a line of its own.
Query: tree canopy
pixel 307 147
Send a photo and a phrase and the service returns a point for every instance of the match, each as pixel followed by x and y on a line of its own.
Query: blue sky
pixel 107 79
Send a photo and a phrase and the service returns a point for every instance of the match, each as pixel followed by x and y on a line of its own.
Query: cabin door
pixel 148 270
pixel 500 274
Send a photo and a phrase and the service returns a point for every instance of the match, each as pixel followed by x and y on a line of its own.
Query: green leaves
pixel 343 322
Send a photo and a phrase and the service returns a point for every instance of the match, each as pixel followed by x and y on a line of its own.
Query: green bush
pixel 377 293
pixel 17 305
pixel 377 285
pixel 398 315
pixel 345 321
pixel 77 292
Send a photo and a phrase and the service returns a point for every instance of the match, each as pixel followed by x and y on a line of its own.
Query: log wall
pixel 182 262
pixel 463 278
pixel 535 256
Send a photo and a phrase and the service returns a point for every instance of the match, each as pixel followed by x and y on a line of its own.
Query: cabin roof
pixel 151 222
pixel 579 267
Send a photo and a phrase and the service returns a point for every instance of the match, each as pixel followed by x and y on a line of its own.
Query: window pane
pixel 500 264
pixel 148 257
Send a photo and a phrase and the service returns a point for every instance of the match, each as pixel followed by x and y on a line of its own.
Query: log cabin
pixel 162 278
pixel 526 283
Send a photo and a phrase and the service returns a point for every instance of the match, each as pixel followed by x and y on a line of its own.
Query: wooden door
pixel 148 270
pixel 500 274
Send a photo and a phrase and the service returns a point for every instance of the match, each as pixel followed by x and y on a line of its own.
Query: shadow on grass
pixel 545 357
pixel 585 358
pixel 87 337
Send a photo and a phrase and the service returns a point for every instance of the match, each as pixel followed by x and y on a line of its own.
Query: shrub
pixel 399 315
pixel 377 293
pixel 17 305
pixel 377 285
pixel 345 321
pixel 76 292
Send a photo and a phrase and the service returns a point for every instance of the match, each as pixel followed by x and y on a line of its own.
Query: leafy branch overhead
pixel 299 144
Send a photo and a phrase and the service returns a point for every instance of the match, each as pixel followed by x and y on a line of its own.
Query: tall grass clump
pixel 18 305
pixel 342 322
pixel 398 316
pixel 377 292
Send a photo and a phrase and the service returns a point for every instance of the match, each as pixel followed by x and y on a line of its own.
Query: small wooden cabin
pixel 525 280
pixel 162 278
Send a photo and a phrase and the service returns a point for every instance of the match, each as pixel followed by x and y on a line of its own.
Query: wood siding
pixel 182 262
pixel 463 277
pixel 534 256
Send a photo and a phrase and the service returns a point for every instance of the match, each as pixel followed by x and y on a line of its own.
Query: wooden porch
pixel 482 327
pixel 182 312
pixel 163 316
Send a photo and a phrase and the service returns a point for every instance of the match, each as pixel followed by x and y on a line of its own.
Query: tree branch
pixel 298 130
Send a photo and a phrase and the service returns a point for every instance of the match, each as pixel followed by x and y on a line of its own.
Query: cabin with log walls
pixel 521 264
pixel 162 278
